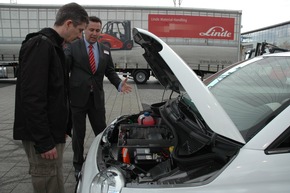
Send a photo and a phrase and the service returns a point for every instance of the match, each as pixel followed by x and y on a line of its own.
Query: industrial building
pixel 278 34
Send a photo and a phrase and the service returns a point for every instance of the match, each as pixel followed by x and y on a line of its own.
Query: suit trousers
pixel 97 120
pixel 46 174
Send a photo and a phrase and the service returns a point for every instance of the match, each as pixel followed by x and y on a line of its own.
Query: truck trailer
pixel 206 39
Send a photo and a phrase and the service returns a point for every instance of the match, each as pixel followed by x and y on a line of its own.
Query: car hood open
pixel 172 72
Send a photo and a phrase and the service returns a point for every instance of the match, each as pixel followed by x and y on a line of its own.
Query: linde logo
pixel 216 31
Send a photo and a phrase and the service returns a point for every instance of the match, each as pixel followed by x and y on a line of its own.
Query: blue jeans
pixel 46 174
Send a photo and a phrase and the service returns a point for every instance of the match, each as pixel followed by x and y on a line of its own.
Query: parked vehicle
pixel 208 40
pixel 230 133
pixel 206 48
pixel 8 66
pixel 117 35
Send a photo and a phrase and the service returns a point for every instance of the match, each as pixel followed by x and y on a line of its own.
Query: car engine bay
pixel 173 150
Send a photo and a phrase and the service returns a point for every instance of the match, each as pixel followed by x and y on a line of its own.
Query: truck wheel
pixel 140 77
pixel 129 45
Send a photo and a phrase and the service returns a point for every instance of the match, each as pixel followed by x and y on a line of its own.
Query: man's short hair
pixel 95 19
pixel 71 11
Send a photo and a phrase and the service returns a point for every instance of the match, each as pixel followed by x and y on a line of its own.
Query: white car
pixel 229 133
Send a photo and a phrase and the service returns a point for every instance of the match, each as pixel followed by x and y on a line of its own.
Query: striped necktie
pixel 92 59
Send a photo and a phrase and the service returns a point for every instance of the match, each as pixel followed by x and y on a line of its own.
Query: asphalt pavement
pixel 14 177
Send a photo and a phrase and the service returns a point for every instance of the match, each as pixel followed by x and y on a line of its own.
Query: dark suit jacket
pixel 82 78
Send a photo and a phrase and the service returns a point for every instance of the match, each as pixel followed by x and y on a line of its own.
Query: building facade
pixel 278 35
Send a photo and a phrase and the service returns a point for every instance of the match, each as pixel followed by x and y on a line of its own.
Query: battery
pixel 143 155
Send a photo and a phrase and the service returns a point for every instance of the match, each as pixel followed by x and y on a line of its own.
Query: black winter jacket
pixel 41 103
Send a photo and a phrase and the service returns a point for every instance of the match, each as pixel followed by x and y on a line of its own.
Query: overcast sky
pixel 255 13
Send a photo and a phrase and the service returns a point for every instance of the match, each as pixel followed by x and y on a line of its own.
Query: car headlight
pixel 108 181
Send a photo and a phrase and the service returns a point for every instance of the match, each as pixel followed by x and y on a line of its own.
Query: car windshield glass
pixel 252 93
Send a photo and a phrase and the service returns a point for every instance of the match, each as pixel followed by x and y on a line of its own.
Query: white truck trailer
pixel 207 39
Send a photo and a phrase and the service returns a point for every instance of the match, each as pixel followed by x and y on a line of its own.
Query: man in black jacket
pixel 86 85
pixel 41 106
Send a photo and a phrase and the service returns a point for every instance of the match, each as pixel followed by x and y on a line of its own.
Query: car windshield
pixel 254 93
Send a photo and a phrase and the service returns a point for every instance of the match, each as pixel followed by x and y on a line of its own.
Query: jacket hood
pixel 47 32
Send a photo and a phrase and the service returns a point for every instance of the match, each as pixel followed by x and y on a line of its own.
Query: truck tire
pixel 140 76
pixel 128 45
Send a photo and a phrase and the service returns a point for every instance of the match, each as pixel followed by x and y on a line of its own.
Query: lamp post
pixel 179 2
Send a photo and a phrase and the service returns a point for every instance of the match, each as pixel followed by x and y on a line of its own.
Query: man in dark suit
pixel 90 61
